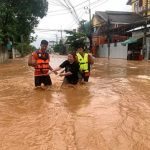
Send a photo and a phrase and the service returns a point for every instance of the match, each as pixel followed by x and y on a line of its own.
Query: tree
pixel 60 48
pixel 85 27
pixel 75 39
pixel 20 17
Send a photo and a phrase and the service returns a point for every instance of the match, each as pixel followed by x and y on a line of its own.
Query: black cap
pixel 44 42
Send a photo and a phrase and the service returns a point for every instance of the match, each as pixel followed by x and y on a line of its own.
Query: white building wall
pixel 116 51
pixel 103 51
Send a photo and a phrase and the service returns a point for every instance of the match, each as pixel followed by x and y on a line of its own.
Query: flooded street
pixel 111 112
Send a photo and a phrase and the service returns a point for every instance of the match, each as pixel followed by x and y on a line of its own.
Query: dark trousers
pixel 46 80
pixel 83 76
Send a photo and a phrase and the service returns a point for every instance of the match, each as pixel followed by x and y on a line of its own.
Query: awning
pixel 129 41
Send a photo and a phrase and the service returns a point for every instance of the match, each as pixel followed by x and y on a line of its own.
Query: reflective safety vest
pixel 83 62
pixel 42 61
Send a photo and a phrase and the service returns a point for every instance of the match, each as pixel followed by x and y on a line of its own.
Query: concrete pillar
pixel 147 49
pixel 13 53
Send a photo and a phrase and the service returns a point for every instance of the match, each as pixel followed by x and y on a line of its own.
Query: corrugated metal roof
pixel 119 17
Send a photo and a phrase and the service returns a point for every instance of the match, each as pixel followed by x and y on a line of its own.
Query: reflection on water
pixel 144 77
pixel 76 98
pixel 111 112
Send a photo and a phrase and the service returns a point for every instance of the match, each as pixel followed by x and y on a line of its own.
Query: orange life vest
pixel 42 61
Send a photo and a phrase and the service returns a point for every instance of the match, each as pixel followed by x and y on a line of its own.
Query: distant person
pixel 40 61
pixel 141 53
pixel 9 47
pixel 9 44
pixel 129 57
pixel 85 61
pixel 71 69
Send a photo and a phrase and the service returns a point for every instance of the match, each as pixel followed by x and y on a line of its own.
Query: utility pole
pixel 61 33
pixel 56 39
pixel 90 12
pixel 21 45
pixel 61 43
pixel 108 36
pixel 90 28
pixel 145 32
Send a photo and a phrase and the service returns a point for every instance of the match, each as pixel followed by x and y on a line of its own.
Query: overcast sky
pixel 59 17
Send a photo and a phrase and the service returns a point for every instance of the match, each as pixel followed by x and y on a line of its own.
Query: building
pixel 142 7
pixel 110 29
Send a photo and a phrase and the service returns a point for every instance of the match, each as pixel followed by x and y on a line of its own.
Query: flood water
pixel 111 112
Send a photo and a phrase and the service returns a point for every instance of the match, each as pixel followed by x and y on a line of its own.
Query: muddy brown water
pixel 111 112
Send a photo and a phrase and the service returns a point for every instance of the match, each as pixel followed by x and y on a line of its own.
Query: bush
pixel 24 48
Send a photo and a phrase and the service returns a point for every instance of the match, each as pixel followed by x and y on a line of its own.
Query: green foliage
pixel 25 48
pixel 1 38
pixel 60 48
pixel 20 17
pixel 75 39
pixel 57 48
pixel 85 27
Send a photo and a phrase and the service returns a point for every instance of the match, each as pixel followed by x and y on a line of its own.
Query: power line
pixel 81 3
pixel 54 3
pixel 73 22
pixel 60 10
pixel 92 3
pixel 59 30
pixel 75 13
pixel 100 4
pixel 69 7
pixel 59 14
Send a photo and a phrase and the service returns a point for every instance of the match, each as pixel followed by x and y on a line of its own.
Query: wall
pixel 96 40
pixel 3 54
pixel 117 51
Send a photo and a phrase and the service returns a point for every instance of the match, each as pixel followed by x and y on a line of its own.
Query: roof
pixel 118 17
pixel 129 2
pixel 129 41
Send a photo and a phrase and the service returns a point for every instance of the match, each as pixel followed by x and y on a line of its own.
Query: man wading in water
pixel 85 61
pixel 40 61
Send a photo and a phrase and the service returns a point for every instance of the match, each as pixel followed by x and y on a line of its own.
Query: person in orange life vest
pixel 85 61
pixel 71 67
pixel 40 61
